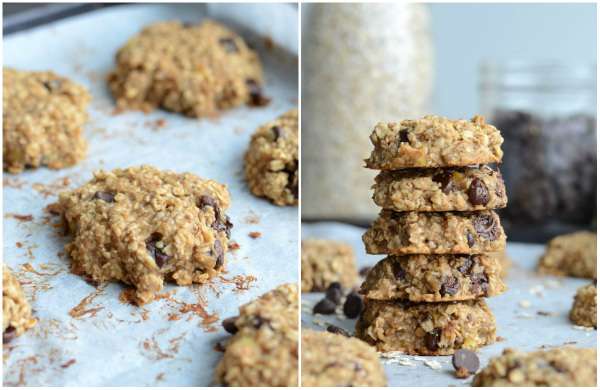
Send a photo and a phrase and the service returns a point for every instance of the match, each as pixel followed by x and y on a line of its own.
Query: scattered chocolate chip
pixel 353 305
pixel 338 330
pixel 364 271
pixel 465 359
pixel 324 306
pixel 432 339
pixel 218 252
pixel 450 286
pixel 229 325
pixel 486 227
pixel 403 136
pixel 105 196
pixel 229 45
pixel 470 240
pixel 160 257
pixel 334 293
pixel 277 132
pixel 479 283
pixel 466 266
pixel 9 334
pixel 478 193
pixel 445 180
pixel 257 99
pixel 398 271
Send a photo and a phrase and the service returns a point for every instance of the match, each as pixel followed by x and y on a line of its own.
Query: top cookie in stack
pixel 439 229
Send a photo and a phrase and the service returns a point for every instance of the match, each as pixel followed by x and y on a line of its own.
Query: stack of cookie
pixel 440 233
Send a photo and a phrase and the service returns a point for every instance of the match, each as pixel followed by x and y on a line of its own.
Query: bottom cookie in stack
pixel 426 328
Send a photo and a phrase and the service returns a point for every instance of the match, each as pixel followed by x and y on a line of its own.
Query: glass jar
pixel 547 116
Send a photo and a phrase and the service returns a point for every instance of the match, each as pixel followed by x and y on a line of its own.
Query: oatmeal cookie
pixel 42 120
pixel 16 312
pixel 435 233
pixel 271 162
pixel 325 262
pixel 434 278
pixel 563 367
pixel 264 348
pixel 570 255
pixel 195 70
pixel 584 308
pixel 426 328
pixel 434 141
pixel 332 360
pixel 460 189
pixel 142 226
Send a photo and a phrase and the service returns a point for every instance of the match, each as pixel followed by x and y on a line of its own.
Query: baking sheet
pixel 517 312
pixel 86 336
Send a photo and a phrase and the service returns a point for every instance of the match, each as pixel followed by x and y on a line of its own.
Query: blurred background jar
pixel 547 116
pixel 361 64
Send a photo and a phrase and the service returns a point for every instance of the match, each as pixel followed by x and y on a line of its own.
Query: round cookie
pixel 142 226
pixel 326 261
pixel 264 348
pixel 584 308
pixel 331 360
pixel 42 121
pixel 426 328
pixel 16 312
pixel 570 255
pixel 271 162
pixel 434 278
pixel 562 367
pixel 195 70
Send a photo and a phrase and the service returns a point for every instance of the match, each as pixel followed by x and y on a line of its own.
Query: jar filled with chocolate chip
pixel 547 116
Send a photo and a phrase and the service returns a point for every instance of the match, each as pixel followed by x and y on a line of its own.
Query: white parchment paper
pixel 87 336
pixel 517 312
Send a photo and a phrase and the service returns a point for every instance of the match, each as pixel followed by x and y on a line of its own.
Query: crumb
pixel 433 364
pixel 19 244
pixel 525 304
pixel 254 235
pixel 20 217
pixel 68 363
pixel 500 339
pixel 233 246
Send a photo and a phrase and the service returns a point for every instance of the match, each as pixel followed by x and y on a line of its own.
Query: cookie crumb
pixel 254 235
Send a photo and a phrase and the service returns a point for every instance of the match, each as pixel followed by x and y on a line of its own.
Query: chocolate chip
pixel 105 196
pixel 432 339
pixel 206 200
pixel 466 266
pixel 292 182
pixel 334 293
pixel 160 257
pixel 277 132
pixel 403 136
pixel 463 358
pixel 229 45
pixel 219 254
pixel 353 305
pixel 9 334
pixel 450 286
pixel 229 325
pixel 222 222
pixel 470 240
pixel 479 283
pixel 445 180
pixel 486 227
pixel 257 99
pixel 324 306
pixel 478 193
pixel 398 271
pixel 337 330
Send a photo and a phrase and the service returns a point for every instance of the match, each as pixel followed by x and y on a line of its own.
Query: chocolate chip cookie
pixel 584 308
pixel 435 233
pixel 263 350
pixel 434 278
pixel 142 226
pixel 325 262
pixel 195 70
pixel 570 255
pixel 434 141
pixel 459 189
pixel 426 328
pixel 563 367
pixel 42 121
pixel 271 162
pixel 332 360
pixel 16 312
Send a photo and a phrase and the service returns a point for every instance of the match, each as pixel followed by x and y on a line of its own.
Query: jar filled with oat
pixel 547 115
pixel 361 64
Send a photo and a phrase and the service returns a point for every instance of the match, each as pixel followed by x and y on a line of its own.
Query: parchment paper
pixel 517 312
pixel 87 336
